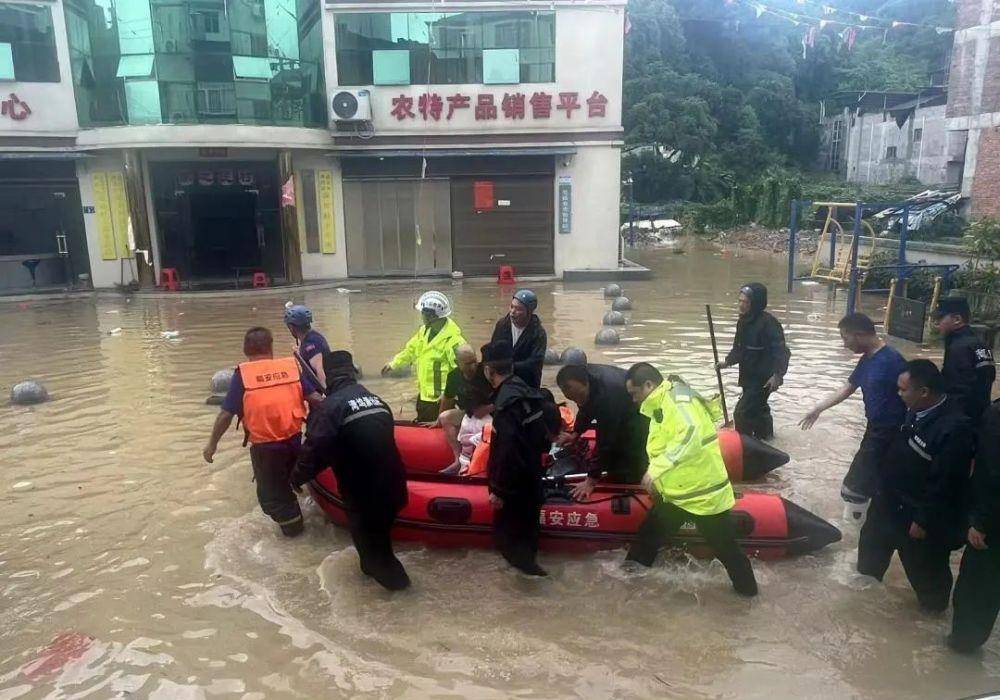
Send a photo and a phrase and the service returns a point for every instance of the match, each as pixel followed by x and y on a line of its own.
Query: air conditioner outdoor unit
pixel 352 106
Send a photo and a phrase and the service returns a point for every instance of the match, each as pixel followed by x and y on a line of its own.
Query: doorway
pixel 217 223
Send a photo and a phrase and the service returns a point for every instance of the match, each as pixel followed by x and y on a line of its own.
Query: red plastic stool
pixel 505 275
pixel 169 279
pixel 260 279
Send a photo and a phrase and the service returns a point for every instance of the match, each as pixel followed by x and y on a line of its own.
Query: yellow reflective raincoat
pixel 434 358
pixel 685 462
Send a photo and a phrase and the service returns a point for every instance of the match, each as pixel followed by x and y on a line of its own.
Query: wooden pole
pixel 888 304
pixel 718 372
pixel 289 224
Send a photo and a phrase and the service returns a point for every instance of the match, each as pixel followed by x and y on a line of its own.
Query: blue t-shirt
pixel 877 375
pixel 313 344
pixel 233 403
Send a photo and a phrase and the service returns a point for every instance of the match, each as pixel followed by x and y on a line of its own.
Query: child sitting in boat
pixel 470 434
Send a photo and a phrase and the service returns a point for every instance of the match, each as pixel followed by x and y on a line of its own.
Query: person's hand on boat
pixel 582 491
pixel 209 452
pixel 809 419
pixel 647 482
pixel 721 365
pixel 917 532
pixel 566 439
pixel 977 539
pixel 774 383
pixel 496 501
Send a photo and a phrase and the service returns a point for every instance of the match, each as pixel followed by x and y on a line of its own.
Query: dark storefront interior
pixel 474 214
pixel 41 224
pixel 218 221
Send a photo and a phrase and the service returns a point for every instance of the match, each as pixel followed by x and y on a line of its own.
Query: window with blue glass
pixel 415 48
pixel 27 44
pixel 197 62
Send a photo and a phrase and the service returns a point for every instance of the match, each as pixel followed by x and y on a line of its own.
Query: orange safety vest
pixel 273 406
pixel 481 457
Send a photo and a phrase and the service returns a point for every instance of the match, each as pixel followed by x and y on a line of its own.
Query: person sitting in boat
pixel 687 476
pixel 270 397
pixel 432 351
pixel 601 396
pixel 525 421
pixel 470 434
pixel 463 391
pixel 309 343
pixel 522 328
pixel 354 431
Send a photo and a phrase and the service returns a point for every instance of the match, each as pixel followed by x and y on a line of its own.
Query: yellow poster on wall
pixel 327 222
pixel 119 213
pixel 102 212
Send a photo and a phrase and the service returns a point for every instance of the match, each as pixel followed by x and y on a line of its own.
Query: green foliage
pixel 919 283
pixel 982 273
pixel 723 104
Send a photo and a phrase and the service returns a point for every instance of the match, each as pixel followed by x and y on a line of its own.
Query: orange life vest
pixel 481 457
pixel 273 405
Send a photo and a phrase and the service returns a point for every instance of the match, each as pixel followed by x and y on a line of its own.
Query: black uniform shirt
pixel 968 371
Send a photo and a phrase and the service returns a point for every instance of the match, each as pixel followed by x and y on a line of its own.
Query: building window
pixel 890 152
pixel 216 99
pixel 445 48
pixel 836 144
pixel 197 61
pixel 918 134
pixel 27 44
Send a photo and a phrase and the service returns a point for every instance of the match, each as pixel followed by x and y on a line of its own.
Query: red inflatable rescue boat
pixel 454 511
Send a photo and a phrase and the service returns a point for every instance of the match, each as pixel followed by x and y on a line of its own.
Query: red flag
pixel 288 193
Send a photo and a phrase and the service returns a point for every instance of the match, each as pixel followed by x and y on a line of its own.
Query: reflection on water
pixel 166 581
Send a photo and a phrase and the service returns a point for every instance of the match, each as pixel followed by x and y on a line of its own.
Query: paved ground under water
pixel 111 526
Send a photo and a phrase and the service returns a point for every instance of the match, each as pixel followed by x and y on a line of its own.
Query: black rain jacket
pixel 759 346
pixel 529 351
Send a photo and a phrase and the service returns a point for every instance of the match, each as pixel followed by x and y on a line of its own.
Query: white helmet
pixel 436 302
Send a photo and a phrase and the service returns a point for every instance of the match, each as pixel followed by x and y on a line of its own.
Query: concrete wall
pixel 595 173
pixel 320 266
pixel 53 108
pixel 870 135
pixel 974 99
pixel 104 274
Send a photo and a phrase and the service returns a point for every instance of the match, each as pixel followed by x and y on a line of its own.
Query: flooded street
pixel 113 527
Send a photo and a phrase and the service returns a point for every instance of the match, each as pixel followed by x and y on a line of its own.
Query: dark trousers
pixel 272 465
pixel 427 411
pixel 977 598
pixel 719 531
pixel 924 561
pixel 516 529
pixel 752 415
pixel 862 475
pixel 370 532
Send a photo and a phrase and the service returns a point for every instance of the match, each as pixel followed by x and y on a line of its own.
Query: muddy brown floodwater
pixel 112 527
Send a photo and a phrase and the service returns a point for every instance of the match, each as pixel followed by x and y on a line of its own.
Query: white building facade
pixel 199 137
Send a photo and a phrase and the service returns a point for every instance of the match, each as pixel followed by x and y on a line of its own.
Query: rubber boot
pixel 294 528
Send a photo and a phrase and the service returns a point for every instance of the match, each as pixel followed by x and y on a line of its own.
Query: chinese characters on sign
pixel 565 204
pixel 14 108
pixel 568 518
pixel 430 106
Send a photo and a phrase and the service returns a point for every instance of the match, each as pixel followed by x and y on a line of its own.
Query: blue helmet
pixel 298 315
pixel 528 298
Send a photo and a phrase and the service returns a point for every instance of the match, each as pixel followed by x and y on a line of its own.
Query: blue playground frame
pixel 904 268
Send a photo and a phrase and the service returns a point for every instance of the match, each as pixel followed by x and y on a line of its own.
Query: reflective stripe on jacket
pixel 273 405
pixel 434 358
pixel 685 461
